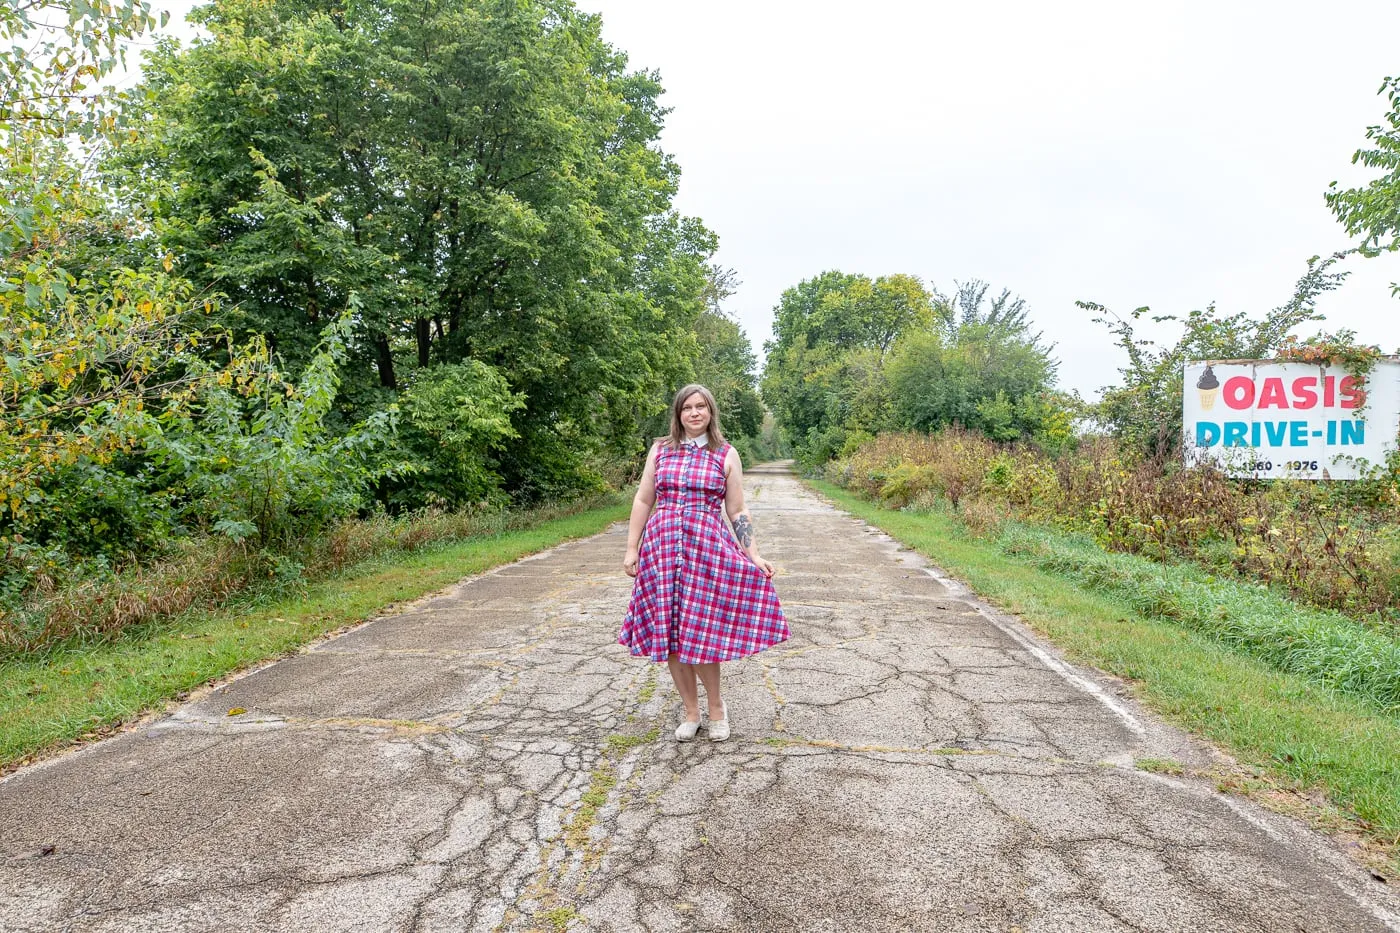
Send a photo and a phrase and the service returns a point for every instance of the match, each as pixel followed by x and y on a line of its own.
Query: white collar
pixel 702 441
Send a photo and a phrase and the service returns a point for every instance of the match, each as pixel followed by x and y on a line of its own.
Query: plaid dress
pixel 697 594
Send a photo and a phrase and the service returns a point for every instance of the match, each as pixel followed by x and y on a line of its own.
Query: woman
pixel 698 598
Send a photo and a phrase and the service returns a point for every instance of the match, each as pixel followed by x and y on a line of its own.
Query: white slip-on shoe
pixel 719 728
pixel 686 730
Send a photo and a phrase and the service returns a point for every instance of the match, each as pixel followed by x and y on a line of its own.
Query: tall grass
pixel 1322 646
pixel 208 573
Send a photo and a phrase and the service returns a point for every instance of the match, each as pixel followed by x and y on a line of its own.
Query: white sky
pixel 1167 154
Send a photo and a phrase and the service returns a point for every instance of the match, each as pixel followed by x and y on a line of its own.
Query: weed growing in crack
pixel 1160 766
pixel 558 918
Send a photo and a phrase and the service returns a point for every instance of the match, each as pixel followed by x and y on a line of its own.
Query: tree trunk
pixel 422 330
pixel 385 359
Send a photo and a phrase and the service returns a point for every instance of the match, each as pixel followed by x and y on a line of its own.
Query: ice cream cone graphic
pixel 1209 388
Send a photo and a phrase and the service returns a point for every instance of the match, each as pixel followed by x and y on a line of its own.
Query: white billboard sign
pixel 1273 420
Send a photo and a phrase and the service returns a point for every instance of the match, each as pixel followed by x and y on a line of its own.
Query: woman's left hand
pixel 763 565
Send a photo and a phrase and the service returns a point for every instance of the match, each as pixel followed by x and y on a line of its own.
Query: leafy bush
pixel 458 416
pixel 93 509
pixel 552 462
pixel 900 468
pixel 262 463
pixel 88 351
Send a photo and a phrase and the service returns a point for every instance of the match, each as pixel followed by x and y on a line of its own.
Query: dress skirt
pixel 697 594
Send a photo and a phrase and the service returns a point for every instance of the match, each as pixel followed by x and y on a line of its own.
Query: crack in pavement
pixel 490 759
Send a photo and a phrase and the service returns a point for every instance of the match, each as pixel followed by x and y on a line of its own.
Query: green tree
pixel 1372 211
pixel 725 362
pixel 979 366
pixel 984 375
pixel 56 55
pixel 845 312
pixel 97 329
pixel 484 175
pixel 968 311
pixel 824 375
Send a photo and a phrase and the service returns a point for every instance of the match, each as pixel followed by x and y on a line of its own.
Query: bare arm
pixel 738 512
pixel 641 510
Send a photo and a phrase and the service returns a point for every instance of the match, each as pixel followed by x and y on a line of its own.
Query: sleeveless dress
pixel 697 594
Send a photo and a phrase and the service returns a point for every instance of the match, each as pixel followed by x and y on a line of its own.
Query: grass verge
pixel 1292 735
pixel 1325 647
pixel 67 694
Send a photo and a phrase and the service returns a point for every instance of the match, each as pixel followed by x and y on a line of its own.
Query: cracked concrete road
pixel 490 759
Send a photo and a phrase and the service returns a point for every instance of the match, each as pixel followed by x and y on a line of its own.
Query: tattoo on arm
pixel 743 530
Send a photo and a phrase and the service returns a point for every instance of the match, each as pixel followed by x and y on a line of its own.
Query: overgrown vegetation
pixel 204 573
pixel 370 261
pixel 1333 545
pixel 1263 614
pixel 1014 453
pixel 1144 412
pixel 1324 647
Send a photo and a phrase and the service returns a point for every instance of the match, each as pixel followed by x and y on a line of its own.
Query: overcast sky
pixel 1167 154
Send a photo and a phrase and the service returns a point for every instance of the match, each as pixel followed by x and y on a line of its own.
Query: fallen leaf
pixel 237 711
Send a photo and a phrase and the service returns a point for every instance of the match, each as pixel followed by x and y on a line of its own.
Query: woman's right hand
pixel 629 563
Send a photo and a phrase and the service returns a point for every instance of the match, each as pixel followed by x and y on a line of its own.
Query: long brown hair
pixel 677 436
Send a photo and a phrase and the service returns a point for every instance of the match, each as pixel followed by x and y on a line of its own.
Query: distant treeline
pixel 853 357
